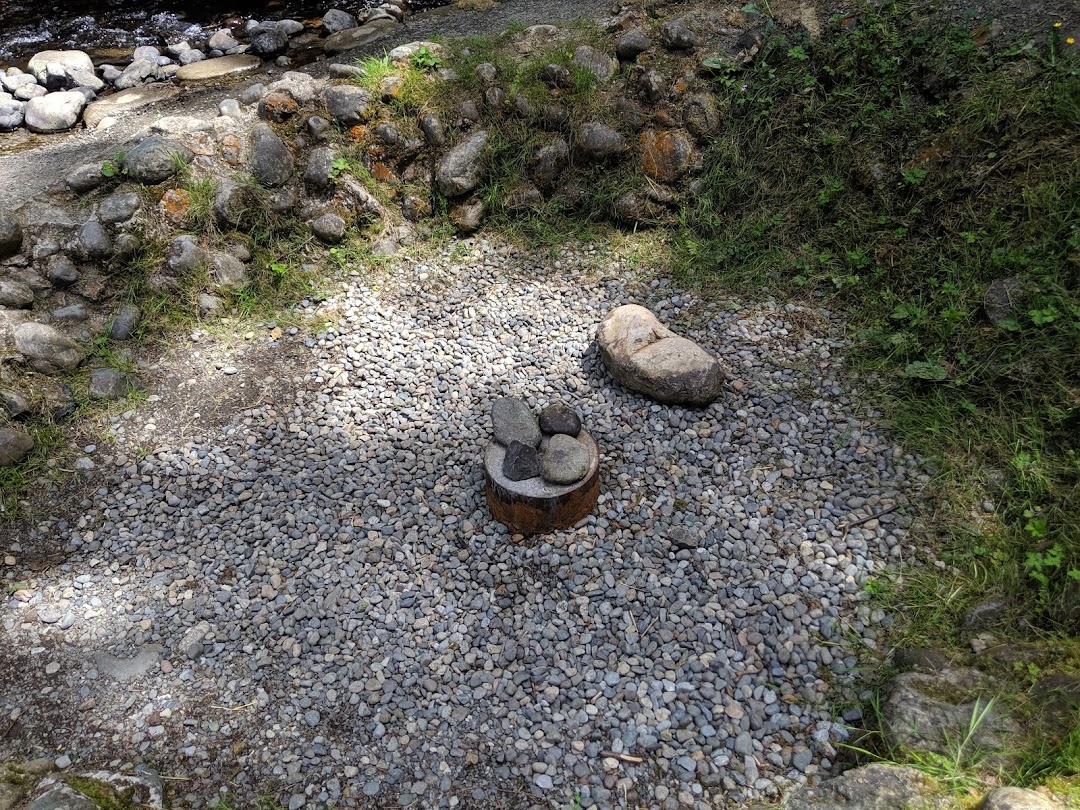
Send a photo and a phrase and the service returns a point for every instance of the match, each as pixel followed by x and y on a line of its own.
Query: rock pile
pixel 546 446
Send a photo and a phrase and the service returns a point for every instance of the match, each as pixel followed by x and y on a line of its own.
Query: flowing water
pixel 112 28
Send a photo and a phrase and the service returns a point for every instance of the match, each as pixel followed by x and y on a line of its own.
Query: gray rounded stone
pixel 330 228
pixel 271 163
pixel 54 112
pixel 15 446
pixel 513 420
pixel 123 325
pixel 47 349
pixel 155 160
pixel 348 104
pixel 461 169
pixel 565 460
pixel 108 383
pixel 559 417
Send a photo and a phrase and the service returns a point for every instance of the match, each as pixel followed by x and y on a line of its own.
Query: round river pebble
pixel 360 627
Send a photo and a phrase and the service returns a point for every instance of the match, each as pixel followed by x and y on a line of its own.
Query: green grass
pixel 895 170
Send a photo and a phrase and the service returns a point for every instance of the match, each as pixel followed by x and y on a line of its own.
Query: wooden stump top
pixel 534 505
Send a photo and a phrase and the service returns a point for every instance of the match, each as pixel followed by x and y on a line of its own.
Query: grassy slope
pixel 895 169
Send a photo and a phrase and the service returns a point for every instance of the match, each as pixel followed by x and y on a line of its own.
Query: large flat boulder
pixel 358 37
pixel 646 356
pixel 210 69
pixel 127 101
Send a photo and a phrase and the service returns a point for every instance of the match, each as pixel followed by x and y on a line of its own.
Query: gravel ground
pixel 314 602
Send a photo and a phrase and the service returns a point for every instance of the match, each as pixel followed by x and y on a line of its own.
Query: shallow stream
pixel 110 29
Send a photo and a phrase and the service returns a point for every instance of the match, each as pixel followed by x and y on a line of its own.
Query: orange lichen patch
pixel 358 132
pixel 680 85
pixel 665 155
pixel 175 204
pixel 383 173
pixel 279 107
pixel 231 149
pixel 390 87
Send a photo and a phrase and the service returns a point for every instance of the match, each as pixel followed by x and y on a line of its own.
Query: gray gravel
pixel 371 632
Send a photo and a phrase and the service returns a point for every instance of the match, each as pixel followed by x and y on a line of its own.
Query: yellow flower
pixel 1057 24
pixel 1070 40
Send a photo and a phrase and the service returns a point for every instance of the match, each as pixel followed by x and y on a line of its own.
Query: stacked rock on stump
pixel 541 474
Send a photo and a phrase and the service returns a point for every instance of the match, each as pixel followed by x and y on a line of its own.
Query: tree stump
pixel 535 506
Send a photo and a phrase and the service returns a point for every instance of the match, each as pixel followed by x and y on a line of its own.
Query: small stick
pixel 234 708
pixel 623 757
pixel 868 518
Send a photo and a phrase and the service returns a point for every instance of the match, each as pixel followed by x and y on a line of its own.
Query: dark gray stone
pixel 513 420
pixel 986 614
pixel 683 538
pixel 318 175
pixel 461 169
pixel 61 271
pixel 190 57
pixel 336 20
pixel 13 403
pixel 72 312
pixel 597 142
pixel 632 44
pixel 330 228
pixel 559 417
pixel 15 294
pixel 109 383
pixel 228 271
pixel 123 325
pixel 548 165
pixel 431 126
pixel 268 39
pixel 10 235
pixel 318 127
pixel 61 797
pixel 271 163
pixel 701 115
pixel 94 242
pixel 929 711
pixel 253 93
pixel 120 206
pixel 155 160
pixel 232 202
pixel 348 104
pixel 521 462
pixel 556 76
pixel 85 178
pixel 184 255
pixel 654 85
pixel 565 460
pixel 135 74
pixel 675 36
